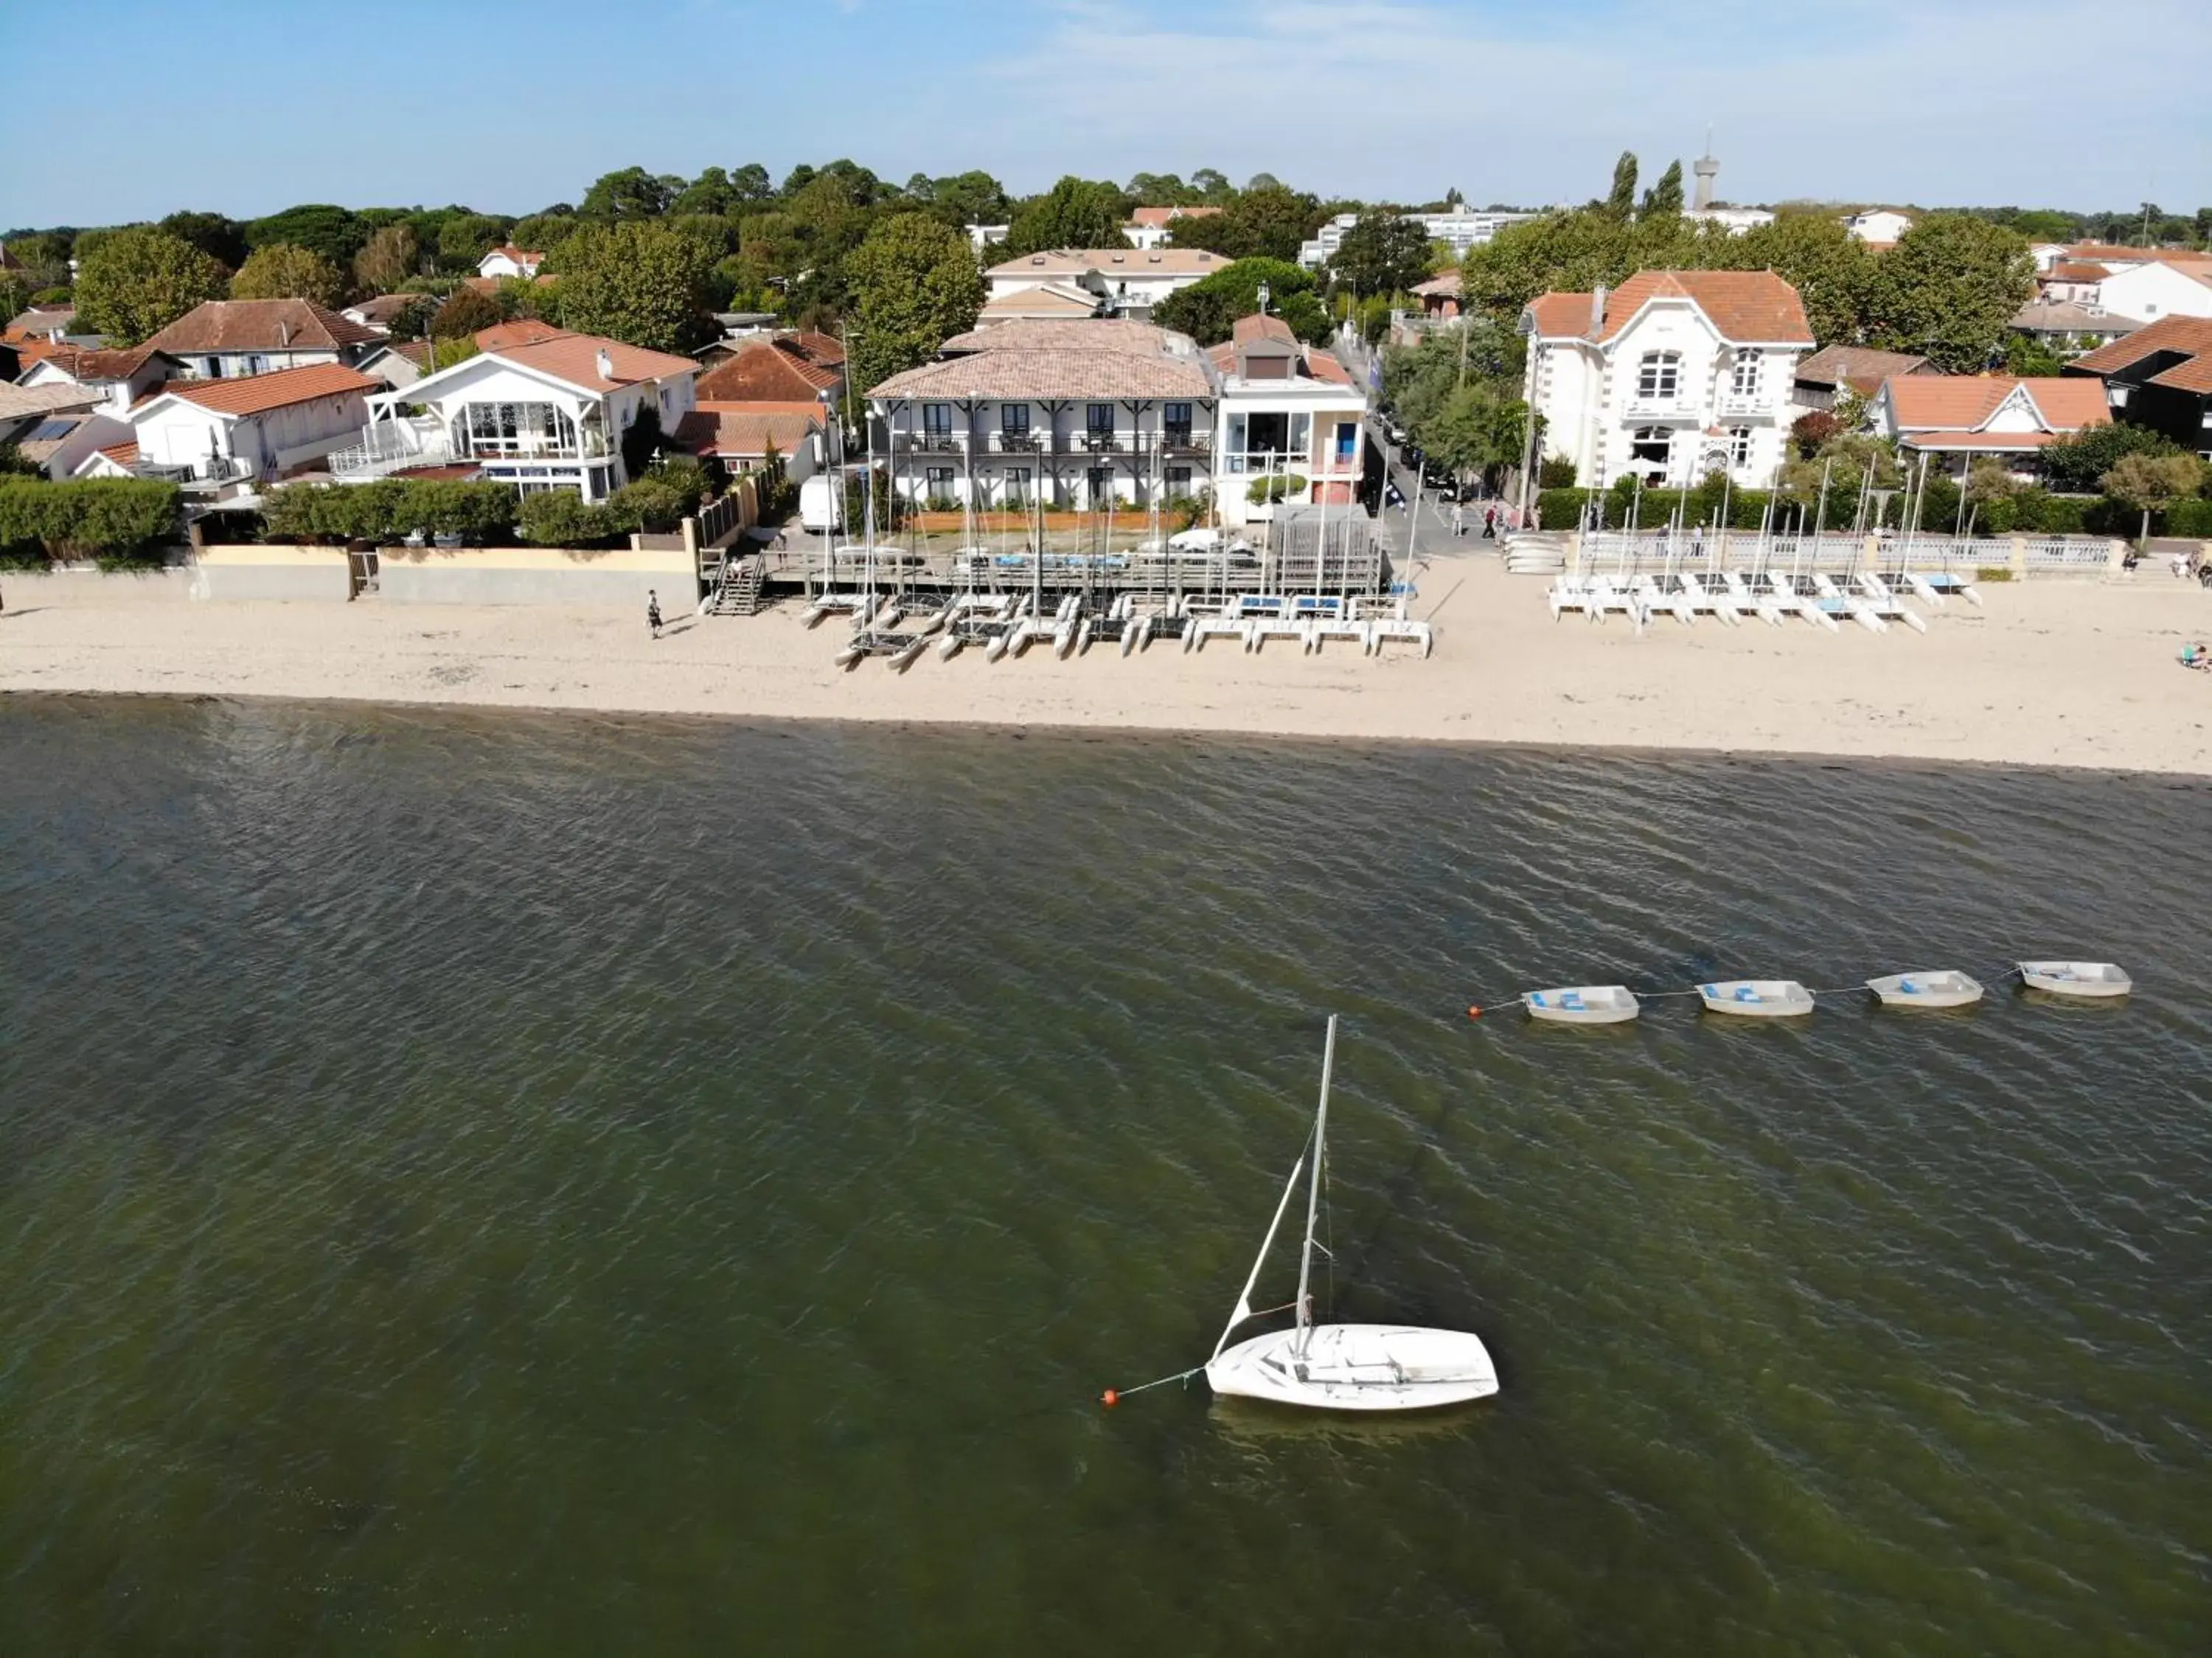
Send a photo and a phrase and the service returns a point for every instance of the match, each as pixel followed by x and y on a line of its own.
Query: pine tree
pixel 1622 201
pixel 1665 197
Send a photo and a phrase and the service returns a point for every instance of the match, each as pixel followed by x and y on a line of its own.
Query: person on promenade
pixel 1490 524
pixel 1459 520
pixel 653 612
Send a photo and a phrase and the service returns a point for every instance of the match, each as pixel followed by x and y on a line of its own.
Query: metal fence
pixel 1660 552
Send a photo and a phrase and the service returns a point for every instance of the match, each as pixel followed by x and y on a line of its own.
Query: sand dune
pixel 2051 672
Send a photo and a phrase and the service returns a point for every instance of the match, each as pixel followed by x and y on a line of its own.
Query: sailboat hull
pixel 1358 1367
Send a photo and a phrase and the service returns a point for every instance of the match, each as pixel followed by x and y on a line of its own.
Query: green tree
pixel 1381 253
pixel 1665 196
pixel 630 192
pixel 1212 186
pixel 2030 358
pixel 140 281
pixel 562 518
pixel 1208 309
pixel 710 192
pixel 390 256
pixel 468 310
pixel 222 240
pixel 1949 289
pixel 2152 483
pixel 15 294
pixel 1270 223
pixel 541 233
pixel 2077 463
pixel 1620 201
pixel 642 283
pixel 1833 273
pixel 915 284
pixel 336 232
pixel 45 258
pixel 970 198
pixel 751 184
pixel 1074 213
pixel 278 271
pixel 465 238
pixel 1161 190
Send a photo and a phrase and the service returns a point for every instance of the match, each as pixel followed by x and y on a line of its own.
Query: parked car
pixel 1396 433
pixel 1410 457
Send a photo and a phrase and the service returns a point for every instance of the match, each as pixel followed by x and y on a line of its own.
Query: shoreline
pixel 2077 675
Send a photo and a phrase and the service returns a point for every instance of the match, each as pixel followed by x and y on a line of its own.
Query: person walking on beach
pixel 1459 520
pixel 653 612
pixel 1490 524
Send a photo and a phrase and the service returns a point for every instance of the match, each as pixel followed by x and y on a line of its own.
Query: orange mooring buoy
pixel 1109 1398
pixel 1475 1013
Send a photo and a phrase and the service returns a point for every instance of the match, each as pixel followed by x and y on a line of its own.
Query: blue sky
pixel 244 107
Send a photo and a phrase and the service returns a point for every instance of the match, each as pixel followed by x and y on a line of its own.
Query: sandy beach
pixel 2049 672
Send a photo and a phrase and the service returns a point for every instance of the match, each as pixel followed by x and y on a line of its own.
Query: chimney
pixel 1597 311
pixel 606 363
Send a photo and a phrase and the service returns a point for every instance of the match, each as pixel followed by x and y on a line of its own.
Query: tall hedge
pixel 2031 512
pixel 391 509
pixel 88 518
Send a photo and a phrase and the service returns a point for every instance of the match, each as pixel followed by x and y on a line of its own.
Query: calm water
pixel 534 1185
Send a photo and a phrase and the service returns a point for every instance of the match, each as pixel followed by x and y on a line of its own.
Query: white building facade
pixel 2154 289
pixel 1459 231
pixel 1674 375
pixel 1880 225
pixel 1127 281
pixel 1286 414
pixel 250 429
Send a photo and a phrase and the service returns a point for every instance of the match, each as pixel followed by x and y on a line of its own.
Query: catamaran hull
pixel 1358 1367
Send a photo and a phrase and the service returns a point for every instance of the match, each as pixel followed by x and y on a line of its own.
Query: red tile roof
pixel 1861 368
pixel 258 394
pixel 573 359
pixel 1924 404
pixel 123 454
pixel 523 331
pixel 1247 331
pixel 2077 270
pixel 260 324
pixel 1742 305
pixel 2002 441
pixel 2116 253
pixel 783 370
pixel 519 255
pixel 743 431
pixel 1160 216
pixel 2191 335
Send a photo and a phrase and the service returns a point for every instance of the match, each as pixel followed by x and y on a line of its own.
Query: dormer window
pixel 1659 375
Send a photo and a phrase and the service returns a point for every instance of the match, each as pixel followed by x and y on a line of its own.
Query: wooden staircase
pixel 737 586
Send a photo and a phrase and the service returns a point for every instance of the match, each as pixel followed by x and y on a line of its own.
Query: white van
pixel 821 504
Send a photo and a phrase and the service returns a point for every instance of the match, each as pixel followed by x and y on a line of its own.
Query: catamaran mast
pixel 1313 1192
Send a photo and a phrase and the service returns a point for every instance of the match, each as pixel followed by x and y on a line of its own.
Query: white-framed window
pixel 1660 375
pixel 1744 381
pixel 1739 439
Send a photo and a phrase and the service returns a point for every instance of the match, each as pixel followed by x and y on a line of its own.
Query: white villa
pixel 1148 227
pixel 217 432
pixel 118 378
pixel 1287 411
pixel 1958 419
pixel 1127 281
pixel 542 414
pixel 1070 414
pixel 2156 288
pixel 227 337
pixel 1880 227
pixel 509 260
pixel 1672 376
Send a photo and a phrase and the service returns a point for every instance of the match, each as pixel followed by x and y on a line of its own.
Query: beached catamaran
pixel 1342 1367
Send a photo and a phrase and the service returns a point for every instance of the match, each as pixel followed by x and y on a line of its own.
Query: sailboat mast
pixel 1313 1192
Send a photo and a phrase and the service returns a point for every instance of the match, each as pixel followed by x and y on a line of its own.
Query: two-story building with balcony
pixel 541 414
pixel 243 431
pixel 226 339
pixel 1292 423
pixel 1066 414
pixel 1672 376
pixel 1127 281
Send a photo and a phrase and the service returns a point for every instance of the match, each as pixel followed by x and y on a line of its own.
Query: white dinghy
pixel 1342 1367
pixel 1757 998
pixel 1583 1004
pixel 2082 979
pixel 1942 987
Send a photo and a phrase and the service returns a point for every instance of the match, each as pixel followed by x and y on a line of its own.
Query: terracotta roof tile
pixel 1043 301
pixel 523 331
pixel 1051 373
pixel 1247 331
pixel 2192 335
pixel 1076 333
pixel 123 454
pixel 1856 366
pixel 2004 441
pixel 1958 403
pixel 2116 253
pixel 767 370
pixel 1159 217
pixel 1125 260
pixel 744 430
pixel 1743 305
pixel 573 359
pixel 258 394
pixel 2070 317
pixel 260 324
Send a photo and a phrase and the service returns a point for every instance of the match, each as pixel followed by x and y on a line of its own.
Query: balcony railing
pixel 387 448
pixel 1017 443
pixel 1738 406
pixel 1643 406
pixel 938 443
pixel 1101 443
pixel 203 473
pixel 1184 442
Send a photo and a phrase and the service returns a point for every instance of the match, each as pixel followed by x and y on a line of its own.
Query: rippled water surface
pixel 564 1185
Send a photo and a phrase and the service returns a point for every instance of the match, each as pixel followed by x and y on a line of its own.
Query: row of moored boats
pixel 1786 998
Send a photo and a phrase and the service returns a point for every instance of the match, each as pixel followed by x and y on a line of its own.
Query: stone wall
pixel 538 576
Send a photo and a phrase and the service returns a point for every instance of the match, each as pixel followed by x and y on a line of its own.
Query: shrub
pixel 651 503
pixel 2190 518
pixel 466 312
pixel 562 518
pixel 1556 471
pixel 391 509
pixel 1266 490
pixel 106 518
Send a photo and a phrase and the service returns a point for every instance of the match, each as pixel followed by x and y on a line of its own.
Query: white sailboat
pixel 1342 1367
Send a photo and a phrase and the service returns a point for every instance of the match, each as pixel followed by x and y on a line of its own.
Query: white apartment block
pixel 1127 281
pixel 1674 375
pixel 1459 231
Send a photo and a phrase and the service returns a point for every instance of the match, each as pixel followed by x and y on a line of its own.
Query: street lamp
pixel 1263 299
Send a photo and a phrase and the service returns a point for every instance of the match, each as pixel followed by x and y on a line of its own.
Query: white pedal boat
pixel 1937 988
pixel 2080 979
pixel 1757 998
pixel 1583 1004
